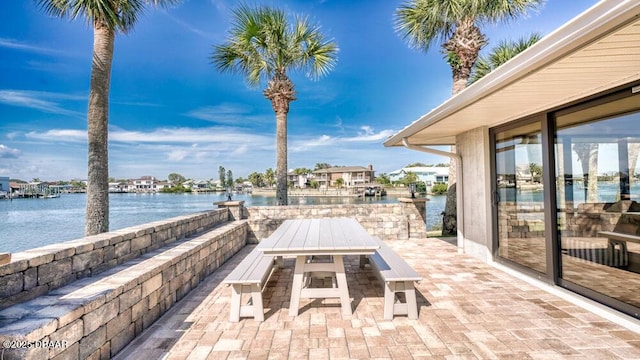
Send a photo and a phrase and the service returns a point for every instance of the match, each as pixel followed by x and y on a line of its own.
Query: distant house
pixel 201 184
pixel 162 184
pixel 430 175
pixel 351 175
pixel 144 184
pixel 118 187
pixel 299 180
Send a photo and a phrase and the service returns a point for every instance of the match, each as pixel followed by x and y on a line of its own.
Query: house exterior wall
pixel 473 146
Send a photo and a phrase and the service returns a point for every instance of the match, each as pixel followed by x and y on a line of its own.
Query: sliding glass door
pixel 598 187
pixel 566 197
pixel 518 195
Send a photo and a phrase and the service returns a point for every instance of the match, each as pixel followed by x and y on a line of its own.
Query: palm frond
pixel 119 15
pixel 421 22
pixel 500 54
pixel 262 44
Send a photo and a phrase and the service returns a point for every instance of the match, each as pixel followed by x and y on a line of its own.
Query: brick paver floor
pixel 467 310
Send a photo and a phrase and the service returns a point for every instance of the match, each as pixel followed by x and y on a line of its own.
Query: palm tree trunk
pixel 281 158
pixel 97 211
pixel 280 91
pixel 592 186
pixel 462 49
pixel 634 151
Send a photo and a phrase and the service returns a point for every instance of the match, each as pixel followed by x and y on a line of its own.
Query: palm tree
pixel 107 17
pixel 269 176
pixel 263 46
pixel 456 24
pixel 500 54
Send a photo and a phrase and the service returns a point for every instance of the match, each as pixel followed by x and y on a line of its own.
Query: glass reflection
pixel 519 196
pixel 598 187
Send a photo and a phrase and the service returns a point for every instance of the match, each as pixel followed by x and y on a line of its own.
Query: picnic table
pixel 304 238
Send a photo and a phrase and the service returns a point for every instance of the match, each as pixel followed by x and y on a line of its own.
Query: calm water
pixel 30 223
pixel 607 192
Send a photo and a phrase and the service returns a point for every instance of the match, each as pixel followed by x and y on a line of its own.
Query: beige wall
pixel 473 146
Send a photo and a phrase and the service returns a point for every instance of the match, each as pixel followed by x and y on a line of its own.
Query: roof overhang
pixel 597 51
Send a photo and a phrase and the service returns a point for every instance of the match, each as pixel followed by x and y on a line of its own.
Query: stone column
pixel 416 211
pixel 236 208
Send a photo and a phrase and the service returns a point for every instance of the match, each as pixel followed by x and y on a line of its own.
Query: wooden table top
pixel 328 236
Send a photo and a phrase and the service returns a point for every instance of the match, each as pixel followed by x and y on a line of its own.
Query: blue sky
pixel 172 111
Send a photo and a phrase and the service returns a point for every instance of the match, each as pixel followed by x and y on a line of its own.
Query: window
pixel 598 188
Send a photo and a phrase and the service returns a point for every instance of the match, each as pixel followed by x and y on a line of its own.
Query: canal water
pixel 30 223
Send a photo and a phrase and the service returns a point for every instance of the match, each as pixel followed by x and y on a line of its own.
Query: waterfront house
pixel 428 174
pixel 144 184
pixel 299 180
pixel 351 176
pixel 118 187
pixel 569 104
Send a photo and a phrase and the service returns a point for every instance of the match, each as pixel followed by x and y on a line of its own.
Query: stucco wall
pixel 473 146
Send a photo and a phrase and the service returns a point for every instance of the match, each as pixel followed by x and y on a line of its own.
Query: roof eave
pixel 593 23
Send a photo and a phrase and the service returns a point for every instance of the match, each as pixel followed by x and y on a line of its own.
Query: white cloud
pixel 230 114
pixel 68 135
pixel 226 113
pixel 308 144
pixel 177 155
pixel 367 135
pixel 209 135
pixel 14 44
pixel 39 100
pixel 191 28
pixel 8 153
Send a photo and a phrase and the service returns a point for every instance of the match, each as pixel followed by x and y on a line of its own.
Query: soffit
pixel 610 61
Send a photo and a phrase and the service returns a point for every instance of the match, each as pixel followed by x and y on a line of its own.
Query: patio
pixel 467 310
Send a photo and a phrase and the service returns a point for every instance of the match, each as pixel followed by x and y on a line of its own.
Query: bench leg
pixel 341 279
pixel 391 308
pixel 256 302
pixel 254 309
pixel 389 299
pixel 296 289
pixel 236 298
pixel 412 303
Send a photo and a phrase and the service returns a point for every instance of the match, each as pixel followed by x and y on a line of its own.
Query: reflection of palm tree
pixel 107 18
pixel 456 24
pixel 263 45
pixel 634 151
pixel 588 157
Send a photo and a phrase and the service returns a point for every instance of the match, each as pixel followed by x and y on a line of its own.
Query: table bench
pixel 398 277
pixel 305 238
pixel 249 277
pixel 617 252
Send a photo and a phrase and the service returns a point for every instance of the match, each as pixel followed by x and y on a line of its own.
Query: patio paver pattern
pixel 467 310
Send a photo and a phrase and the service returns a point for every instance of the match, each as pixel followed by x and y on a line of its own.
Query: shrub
pixel 439 189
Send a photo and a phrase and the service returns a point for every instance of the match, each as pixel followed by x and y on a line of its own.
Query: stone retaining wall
pixel 95 317
pixel 398 221
pixel 35 272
